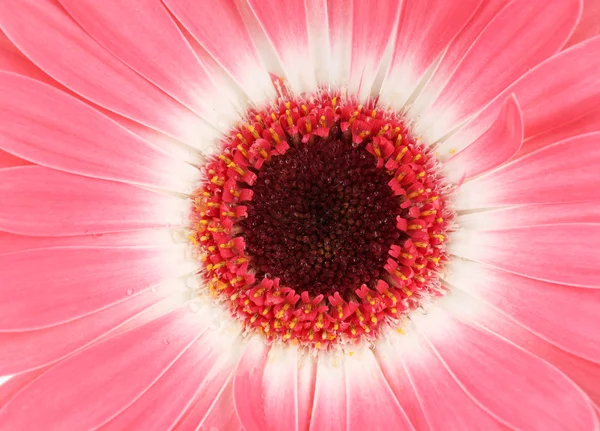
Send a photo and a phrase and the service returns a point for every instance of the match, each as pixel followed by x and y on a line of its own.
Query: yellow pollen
pixel 305 109
pixel 229 244
pixel 288 105
pixel 406 291
pixel 401 154
pixel 274 135
pixel 428 213
pixel 253 131
pixel 241 138
pixel 258 293
pixel 415 227
pixel 242 150
pixel 308 125
pixel 322 120
pixel 217 181
pixel 228 214
pixel 340 311
pixel 439 220
pixel 384 130
pixel 290 120
pixel 273 116
pixel 281 312
pixel 391 296
pixel 263 153
pixel 415 194
pixel 417 157
pixel 373 114
pixel 435 260
pixel 438 236
pixel 353 117
pixel 400 275
pixel 260 120
pixel 334 102
pixel 420 244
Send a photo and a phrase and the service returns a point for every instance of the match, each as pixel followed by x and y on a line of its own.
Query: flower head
pixel 317 215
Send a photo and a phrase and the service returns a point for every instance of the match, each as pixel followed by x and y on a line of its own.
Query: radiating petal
pixel 248 380
pixel 371 402
pixel 285 24
pixel 549 95
pixel 219 28
pixel 589 24
pixel 486 365
pixel 143 36
pixel 338 23
pixel 222 415
pixel 560 173
pixel 199 372
pixel 42 201
pixel 12 243
pixel 79 280
pixel 13 60
pixel 522 35
pixel 588 123
pixel 99 382
pixel 89 144
pixel 24 351
pixel 7 160
pixel 426 27
pixel 62 49
pixel 537 305
pixel 372 27
pixel 532 215
pixel 585 374
pixel 495 147
pixel 11 387
pixel 560 253
pixel 455 53
pixel 445 405
pixel 330 396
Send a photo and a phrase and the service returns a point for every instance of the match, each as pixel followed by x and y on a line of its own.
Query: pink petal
pixel 283 383
pixel 15 384
pixel 560 253
pixel 455 53
pixel 13 60
pixel 584 373
pixel 99 382
pixel 89 144
pixel 488 368
pixel 389 358
pixel 372 27
pixel 550 95
pixel 12 243
pixel 589 24
pixel 371 404
pixel 337 26
pixel 590 122
pixel 532 215
pixel 7 160
pixel 522 35
pixel 200 371
pixel 219 28
pixel 143 36
pixel 329 411
pixel 285 25
pixel 74 205
pixel 222 416
pixel 445 405
pixel 78 281
pixel 62 49
pixel 247 380
pixel 560 173
pixel 23 351
pixel 536 305
pixel 426 27
pixel 495 147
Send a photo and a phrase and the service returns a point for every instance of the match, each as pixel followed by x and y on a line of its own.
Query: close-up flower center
pixel 321 220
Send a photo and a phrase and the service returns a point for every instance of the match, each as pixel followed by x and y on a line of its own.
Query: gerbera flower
pixel 318 215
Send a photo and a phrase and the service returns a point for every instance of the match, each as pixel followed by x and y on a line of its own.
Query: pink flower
pixel 304 215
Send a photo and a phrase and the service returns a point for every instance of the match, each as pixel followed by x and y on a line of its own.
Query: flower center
pixel 322 218
pixel 321 222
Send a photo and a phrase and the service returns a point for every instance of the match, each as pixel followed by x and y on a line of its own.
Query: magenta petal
pixel 532 252
pixel 522 35
pixel 74 205
pixel 486 365
pixel 99 382
pixel 565 172
pixel 78 281
pixel 536 305
pixel 89 143
pixel 23 351
pixel 495 147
